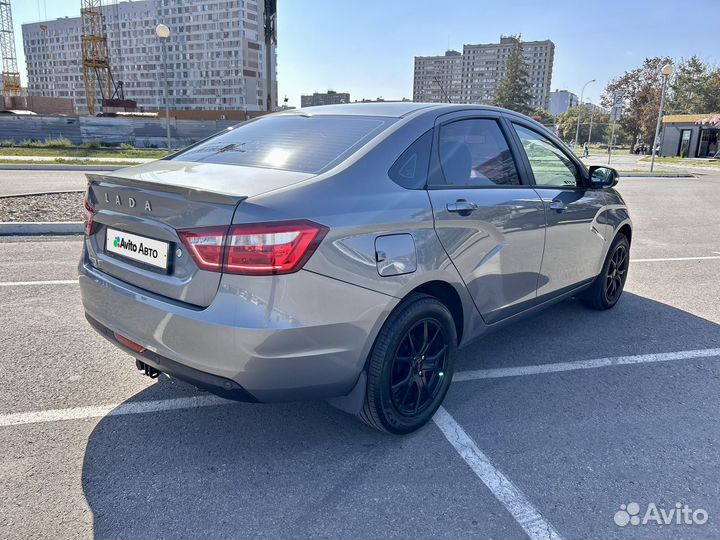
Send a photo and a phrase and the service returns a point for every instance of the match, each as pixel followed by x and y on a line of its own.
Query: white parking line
pixel 582 364
pixel 669 259
pixel 117 409
pixel 527 516
pixel 26 283
pixel 141 407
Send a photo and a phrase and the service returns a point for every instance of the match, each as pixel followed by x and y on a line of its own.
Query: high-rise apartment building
pixel 561 101
pixel 216 54
pixel 325 98
pixel 438 78
pixel 474 75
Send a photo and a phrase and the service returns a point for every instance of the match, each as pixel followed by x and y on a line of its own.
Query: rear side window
pixel 474 153
pixel 410 169
pixel 294 143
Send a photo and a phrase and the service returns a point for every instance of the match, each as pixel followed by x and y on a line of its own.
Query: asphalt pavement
pixel 552 425
pixel 20 182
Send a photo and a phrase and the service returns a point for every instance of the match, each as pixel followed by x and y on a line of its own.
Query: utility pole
pixel 577 129
pixel 270 17
pixel 163 32
pixel 592 117
pixel 666 71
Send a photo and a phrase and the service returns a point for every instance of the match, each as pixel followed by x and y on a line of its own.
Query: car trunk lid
pixel 140 210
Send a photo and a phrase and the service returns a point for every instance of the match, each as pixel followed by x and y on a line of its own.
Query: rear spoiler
pixel 188 192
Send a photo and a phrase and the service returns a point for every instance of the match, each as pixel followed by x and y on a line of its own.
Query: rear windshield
pixel 293 143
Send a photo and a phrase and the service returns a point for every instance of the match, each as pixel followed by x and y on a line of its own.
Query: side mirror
pixel 601 177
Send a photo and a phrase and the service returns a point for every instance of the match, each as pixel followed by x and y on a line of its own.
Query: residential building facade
pixel 327 98
pixel 562 101
pixel 474 75
pixel 216 55
pixel 438 79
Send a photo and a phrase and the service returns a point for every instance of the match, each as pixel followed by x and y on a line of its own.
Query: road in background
pixel 24 182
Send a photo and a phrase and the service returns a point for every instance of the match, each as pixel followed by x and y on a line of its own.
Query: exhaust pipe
pixel 147 370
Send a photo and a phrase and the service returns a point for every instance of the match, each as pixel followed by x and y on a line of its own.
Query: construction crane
pixel 96 61
pixel 10 71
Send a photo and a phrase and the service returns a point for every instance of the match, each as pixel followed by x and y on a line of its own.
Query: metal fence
pixel 140 132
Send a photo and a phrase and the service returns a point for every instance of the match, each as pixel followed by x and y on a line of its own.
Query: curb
pixel 36 193
pixel 29 228
pixel 657 175
pixel 59 167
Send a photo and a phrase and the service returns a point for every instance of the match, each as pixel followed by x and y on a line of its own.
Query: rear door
pixel 488 218
pixel 574 239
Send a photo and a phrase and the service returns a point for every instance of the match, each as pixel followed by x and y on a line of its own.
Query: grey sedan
pixel 346 252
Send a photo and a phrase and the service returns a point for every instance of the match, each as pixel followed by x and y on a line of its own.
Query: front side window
pixel 550 165
pixel 288 142
pixel 474 153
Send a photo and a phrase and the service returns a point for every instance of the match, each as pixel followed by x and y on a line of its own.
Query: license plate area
pixel 137 248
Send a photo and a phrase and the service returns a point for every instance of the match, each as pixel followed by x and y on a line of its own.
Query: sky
pixel 366 47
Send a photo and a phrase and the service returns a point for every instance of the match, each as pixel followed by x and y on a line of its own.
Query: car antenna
pixel 442 89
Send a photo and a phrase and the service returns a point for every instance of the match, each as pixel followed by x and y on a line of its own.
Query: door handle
pixel 461 206
pixel 557 205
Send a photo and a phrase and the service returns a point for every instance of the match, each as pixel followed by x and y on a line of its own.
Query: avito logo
pixel 681 514
pixel 128 245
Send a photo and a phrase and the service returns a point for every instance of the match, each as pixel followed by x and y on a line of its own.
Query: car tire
pixel 607 288
pixel 410 366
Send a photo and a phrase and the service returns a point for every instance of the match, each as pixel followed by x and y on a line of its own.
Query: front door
pixel 489 221
pixel 575 239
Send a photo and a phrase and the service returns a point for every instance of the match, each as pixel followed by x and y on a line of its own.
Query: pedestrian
pixel 586 150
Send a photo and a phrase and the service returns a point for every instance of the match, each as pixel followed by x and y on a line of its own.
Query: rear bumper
pixel 264 338
pixel 217 385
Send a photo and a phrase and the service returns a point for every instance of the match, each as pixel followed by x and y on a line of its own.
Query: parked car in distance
pixel 346 252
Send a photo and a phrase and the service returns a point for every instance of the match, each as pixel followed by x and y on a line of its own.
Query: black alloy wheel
pixel 418 367
pixel 410 366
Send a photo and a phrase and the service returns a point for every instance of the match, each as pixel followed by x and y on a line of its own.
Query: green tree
pixel 567 124
pixel 513 91
pixel 688 92
pixel 711 94
pixel 640 95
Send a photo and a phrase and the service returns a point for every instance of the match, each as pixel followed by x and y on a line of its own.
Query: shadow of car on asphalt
pixel 244 470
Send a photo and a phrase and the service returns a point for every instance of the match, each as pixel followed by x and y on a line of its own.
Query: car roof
pixel 392 109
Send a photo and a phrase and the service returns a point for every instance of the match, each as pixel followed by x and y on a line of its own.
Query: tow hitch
pixel 147 370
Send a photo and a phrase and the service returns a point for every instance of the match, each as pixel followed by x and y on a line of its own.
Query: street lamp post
pixel 592 117
pixel 163 32
pixel 666 71
pixel 577 129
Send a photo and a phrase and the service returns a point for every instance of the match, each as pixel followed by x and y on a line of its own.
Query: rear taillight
pixel 271 248
pixel 89 211
pixel 255 249
pixel 206 246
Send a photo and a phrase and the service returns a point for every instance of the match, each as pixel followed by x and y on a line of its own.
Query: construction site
pixel 114 71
